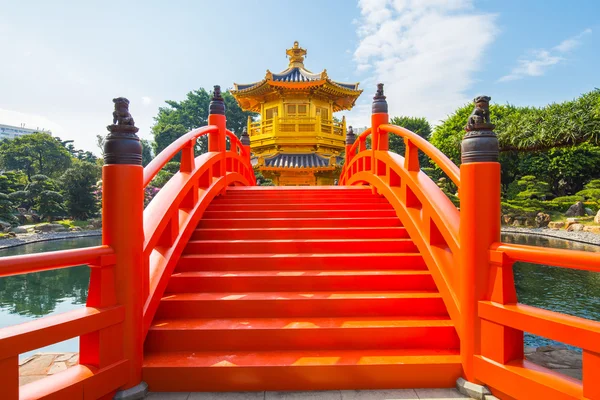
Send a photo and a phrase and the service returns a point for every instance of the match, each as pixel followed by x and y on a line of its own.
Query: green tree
pixel 166 173
pixel 532 188
pixel 78 187
pixel 181 117
pixel 12 181
pixel 529 128
pixel 558 143
pixel 6 208
pixel 34 154
pixel 50 204
pixel 146 152
pixel 166 134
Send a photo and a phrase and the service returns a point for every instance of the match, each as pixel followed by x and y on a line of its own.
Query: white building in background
pixel 11 132
pixel 357 131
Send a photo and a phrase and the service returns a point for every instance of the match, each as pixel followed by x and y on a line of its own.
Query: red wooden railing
pixel 102 366
pixel 462 249
pixel 129 272
pixel 473 268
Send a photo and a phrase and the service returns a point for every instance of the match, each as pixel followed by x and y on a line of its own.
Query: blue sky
pixel 63 61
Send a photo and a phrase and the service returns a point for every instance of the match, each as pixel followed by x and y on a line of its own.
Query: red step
pixel 299 262
pixel 300 233
pixel 314 222
pixel 247 334
pixel 301 370
pixel 300 214
pixel 301 288
pixel 315 280
pixel 301 246
pixel 250 200
pixel 299 206
pixel 299 304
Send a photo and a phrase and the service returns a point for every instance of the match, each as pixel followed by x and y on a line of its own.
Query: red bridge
pixel 380 282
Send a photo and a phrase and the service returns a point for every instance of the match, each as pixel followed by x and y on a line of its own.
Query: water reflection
pixel 30 296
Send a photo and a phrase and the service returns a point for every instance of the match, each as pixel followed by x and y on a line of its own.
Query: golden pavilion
pixel 297 141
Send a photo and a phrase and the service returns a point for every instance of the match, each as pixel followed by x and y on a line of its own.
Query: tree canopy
pixel 37 153
pixel 180 117
pixel 527 129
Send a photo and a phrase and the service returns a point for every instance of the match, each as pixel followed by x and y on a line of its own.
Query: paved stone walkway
pixel 40 365
pixel 410 394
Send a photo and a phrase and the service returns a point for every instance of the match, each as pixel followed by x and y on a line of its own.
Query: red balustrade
pixel 462 249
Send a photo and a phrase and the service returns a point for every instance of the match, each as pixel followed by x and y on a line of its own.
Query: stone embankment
pixel 576 236
pixel 27 238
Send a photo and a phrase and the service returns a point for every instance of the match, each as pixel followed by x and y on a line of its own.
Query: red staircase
pixel 300 289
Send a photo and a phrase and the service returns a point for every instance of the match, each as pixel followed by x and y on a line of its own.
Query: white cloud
pixel 424 51
pixel 537 62
pixel 146 100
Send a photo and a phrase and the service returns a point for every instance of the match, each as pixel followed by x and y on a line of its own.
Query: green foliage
pixel 568 199
pixel 78 186
pixel 34 154
pixel 166 173
pixel 532 188
pixel 146 152
pixel 165 134
pixel 261 180
pixel 192 112
pixel 12 181
pixel 529 128
pixel 21 199
pixel 6 208
pixel 50 204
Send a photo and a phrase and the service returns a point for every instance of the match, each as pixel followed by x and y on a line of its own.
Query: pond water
pixel 26 297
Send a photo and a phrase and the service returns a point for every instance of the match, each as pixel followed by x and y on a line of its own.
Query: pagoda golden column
pixel 297 141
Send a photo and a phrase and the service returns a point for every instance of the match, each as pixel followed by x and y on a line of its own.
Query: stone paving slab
pixel 41 365
pixel 400 394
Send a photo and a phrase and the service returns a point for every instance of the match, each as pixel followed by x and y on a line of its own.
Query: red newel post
pixel 216 116
pixel 245 140
pixel 479 225
pixel 379 116
pixel 350 139
pixel 122 229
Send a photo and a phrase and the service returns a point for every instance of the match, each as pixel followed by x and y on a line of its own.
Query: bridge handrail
pixel 28 263
pixel 236 144
pixel 158 162
pixel 427 148
pixel 561 258
pixel 360 138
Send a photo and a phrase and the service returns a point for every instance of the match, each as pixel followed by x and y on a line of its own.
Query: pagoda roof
pixel 295 78
pixel 297 160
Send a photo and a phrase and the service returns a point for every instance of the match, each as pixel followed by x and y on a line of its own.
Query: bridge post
pixel 479 228
pixel 216 116
pixel 245 140
pixel 122 229
pixel 379 116
pixel 350 139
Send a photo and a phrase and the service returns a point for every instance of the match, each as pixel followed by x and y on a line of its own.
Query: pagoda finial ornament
pixel 296 54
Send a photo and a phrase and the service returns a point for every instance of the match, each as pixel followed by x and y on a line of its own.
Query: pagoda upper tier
pixel 296 81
